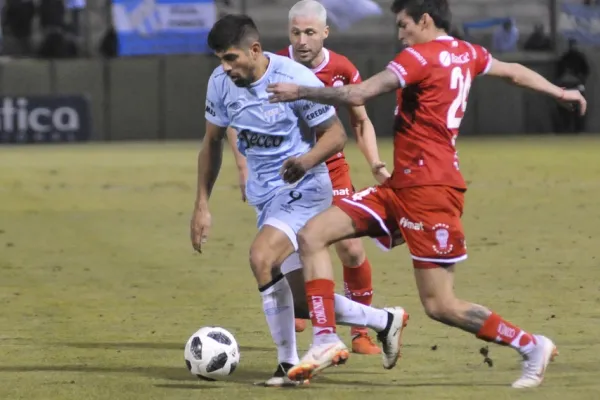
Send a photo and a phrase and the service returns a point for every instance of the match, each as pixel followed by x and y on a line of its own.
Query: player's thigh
pixel 429 219
pixel 368 210
pixel 293 207
pixel 325 229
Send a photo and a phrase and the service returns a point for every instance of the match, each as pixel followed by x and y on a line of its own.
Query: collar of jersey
pixel 444 37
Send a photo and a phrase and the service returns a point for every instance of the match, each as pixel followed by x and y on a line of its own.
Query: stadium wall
pixel 163 98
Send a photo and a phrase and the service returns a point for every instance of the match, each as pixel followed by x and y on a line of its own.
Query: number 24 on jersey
pixel 461 84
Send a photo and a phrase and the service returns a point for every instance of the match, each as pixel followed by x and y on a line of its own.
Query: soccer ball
pixel 211 353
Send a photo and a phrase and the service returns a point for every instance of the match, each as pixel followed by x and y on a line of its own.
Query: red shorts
pixel 341 182
pixel 343 188
pixel 426 217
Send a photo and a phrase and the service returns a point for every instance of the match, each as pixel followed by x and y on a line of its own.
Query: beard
pixel 240 81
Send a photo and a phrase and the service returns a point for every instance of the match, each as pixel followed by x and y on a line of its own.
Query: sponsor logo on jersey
pixel 317 113
pixel 407 224
pixel 447 58
pixel 210 108
pixel 341 192
pixel 250 139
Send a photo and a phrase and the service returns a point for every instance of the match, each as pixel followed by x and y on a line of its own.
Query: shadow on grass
pixel 145 346
pixel 241 376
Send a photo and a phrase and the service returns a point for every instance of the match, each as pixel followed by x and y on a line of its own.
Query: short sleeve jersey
pixel 434 79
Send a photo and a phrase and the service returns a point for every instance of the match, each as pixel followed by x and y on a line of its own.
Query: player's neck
pixel 318 60
pixel 261 67
pixel 438 33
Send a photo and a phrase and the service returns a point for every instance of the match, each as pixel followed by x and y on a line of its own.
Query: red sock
pixel 496 329
pixel 359 288
pixel 358 284
pixel 321 306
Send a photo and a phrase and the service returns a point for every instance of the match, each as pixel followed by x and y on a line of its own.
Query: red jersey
pixel 435 79
pixel 335 70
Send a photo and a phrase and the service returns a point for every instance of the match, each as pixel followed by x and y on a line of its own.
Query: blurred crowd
pixel 58 23
pixel 53 29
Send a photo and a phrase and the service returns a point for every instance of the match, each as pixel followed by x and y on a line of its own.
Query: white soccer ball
pixel 212 353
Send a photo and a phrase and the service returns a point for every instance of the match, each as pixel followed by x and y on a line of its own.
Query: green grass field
pixel 100 287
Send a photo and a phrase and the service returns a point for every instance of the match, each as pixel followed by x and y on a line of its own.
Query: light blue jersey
pixel 268 133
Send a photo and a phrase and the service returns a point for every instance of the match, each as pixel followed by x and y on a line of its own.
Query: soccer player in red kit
pixel 424 197
pixel 307 31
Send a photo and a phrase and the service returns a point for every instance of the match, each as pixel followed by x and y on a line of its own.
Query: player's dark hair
pixel 438 10
pixel 232 31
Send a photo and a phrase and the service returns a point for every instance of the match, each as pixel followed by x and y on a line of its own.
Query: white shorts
pixel 294 205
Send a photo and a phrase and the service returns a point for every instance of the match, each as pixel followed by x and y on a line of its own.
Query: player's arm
pixel 240 161
pixel 211 153
pixel 522 76
pixel 323 120
pixel 210 158
pixel 332 138
pixel 353 95
pixel 325 125
pixel 367 142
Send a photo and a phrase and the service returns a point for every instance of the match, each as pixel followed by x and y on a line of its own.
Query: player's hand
pixel 573 99
pixel 380 172
pixel 283 92
pixel 200 227
pixel 293 169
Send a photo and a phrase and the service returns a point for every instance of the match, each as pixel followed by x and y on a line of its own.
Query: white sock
pixel 351 313
pixel 278 306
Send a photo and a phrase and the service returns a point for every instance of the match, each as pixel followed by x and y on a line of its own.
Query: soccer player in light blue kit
pixel 288 181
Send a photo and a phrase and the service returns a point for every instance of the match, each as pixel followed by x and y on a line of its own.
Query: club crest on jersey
pixel 236 105
pixel 272 112
pixel 442 235
pixel 337 81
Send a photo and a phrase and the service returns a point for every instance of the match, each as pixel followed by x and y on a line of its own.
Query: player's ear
pixel 255 49
pixel 426 22
pixel 326 32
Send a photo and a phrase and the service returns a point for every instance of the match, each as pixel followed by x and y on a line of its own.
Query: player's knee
pixel 439 309
pixel 261 262
pixel 351 252
pixel 308 239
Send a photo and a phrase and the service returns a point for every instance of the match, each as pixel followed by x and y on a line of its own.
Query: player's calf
pixel 357 287
pixel 268 251
pixel 435 286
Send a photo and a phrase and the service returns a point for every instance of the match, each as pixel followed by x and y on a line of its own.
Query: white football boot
pixel 535 363
pixel 317 359
pixel 391 339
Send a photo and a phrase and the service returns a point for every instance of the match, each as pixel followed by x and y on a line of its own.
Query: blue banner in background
pixel 580 22
pixel 151 27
